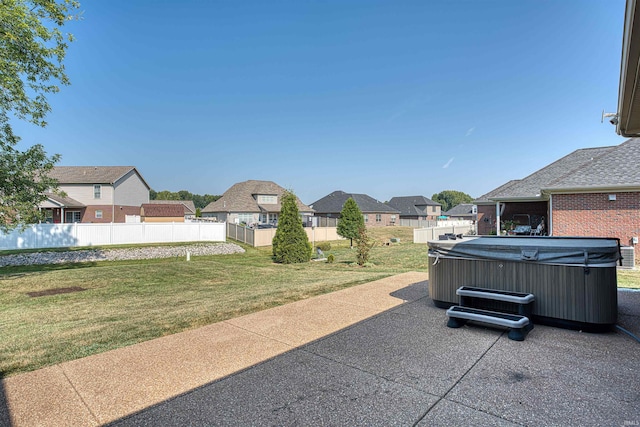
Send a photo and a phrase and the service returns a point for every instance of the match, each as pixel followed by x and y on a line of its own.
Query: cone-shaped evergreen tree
pixel 351 220
pixel 290 244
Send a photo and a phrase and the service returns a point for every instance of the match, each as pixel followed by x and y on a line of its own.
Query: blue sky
pixel 386 98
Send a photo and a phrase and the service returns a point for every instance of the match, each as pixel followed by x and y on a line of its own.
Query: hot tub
pixel 573 278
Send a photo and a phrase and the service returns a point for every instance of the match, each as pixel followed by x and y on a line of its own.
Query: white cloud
pixel 470 131
pixel 446 165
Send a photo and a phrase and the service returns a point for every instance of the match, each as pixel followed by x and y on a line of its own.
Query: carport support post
pixel 498 219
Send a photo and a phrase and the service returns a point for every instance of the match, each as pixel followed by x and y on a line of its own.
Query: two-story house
pixel 252 203
pixel 98 194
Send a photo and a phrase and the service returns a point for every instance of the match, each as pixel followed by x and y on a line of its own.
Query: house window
pixel 97 191
pixel 433 209
pixel 264 199
pixel 393 219
pixel 72 216
pixel 247 218
pixel 378 217
pixel 366 218
pixel 48 216
pixel 98 214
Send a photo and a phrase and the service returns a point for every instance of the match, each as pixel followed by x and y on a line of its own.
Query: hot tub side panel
pixel 562 292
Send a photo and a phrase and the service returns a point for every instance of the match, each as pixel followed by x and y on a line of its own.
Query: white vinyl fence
pixel 77 234
pixel 423 235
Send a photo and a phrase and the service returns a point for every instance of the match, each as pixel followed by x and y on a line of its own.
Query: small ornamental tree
pixel 290 244
pixel 351 220
pixel 363 246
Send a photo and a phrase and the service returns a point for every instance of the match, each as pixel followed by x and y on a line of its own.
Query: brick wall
pixel 486 219
pixel 107 213
pixel 385 220
pixel 593 214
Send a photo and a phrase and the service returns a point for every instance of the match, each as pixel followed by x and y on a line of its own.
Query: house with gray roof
pixel 463 211
pixel 98 194
pixel 590 192
pixel 416 207
pixel 252 203
pixel 376 214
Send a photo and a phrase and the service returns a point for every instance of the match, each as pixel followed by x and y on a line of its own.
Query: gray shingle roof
pixel 463 209
pixel 91 174
pixel 412 205
pixel 583 168
pixel 189 206
pixel 66 202
pixel 332 203
pixel 617 167
pixel 241 197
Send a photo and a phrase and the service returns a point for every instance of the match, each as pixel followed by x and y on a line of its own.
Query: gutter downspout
pixel 499 211
pixel 550 214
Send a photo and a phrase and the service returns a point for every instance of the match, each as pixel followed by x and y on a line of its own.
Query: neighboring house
pixel 464 211
pixel 98 194
pixel 376 214
pixel 416 207
pixel 188 205
pixel 252 203
pixel 157 212
pixel 590 192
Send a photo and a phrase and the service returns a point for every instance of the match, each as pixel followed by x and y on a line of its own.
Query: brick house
pixel 590 192
pixel 97 194
pixel 376 214
pixel 416 207
pixel 463 211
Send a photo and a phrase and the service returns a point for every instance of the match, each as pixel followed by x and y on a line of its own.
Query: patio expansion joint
pixel 252 332
pixel 473 365
pixel 75 390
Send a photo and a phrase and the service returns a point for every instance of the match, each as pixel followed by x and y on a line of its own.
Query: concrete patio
pixel 375 354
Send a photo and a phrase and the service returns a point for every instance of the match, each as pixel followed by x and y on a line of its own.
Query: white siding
pixel 84 193
pixel 131 190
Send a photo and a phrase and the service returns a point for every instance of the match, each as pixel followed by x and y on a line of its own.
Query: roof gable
pixel 92 174
pixel 242 197
pixel 333 203
pixel 411 205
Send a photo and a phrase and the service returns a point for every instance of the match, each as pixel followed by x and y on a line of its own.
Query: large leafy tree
pixel 351 220
pixel 290 244
pixel 451 198
pixel 32 50
pixel 200 201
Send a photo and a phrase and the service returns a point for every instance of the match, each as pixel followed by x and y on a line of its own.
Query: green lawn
pixel 132 301
pixel 127 302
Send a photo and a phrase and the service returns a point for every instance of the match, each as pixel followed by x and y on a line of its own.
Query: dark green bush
pixel 324 246
pixel 290 244
pixel 331 259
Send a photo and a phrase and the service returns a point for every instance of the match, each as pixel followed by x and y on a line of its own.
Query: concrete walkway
pixel 375 354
